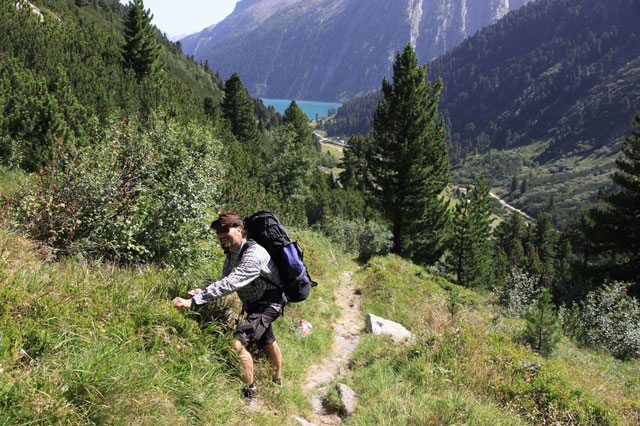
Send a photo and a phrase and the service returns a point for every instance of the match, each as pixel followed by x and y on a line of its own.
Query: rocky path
pixel 346 335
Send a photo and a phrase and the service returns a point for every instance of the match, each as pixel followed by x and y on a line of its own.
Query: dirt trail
pixel 346 335
pixel 510 207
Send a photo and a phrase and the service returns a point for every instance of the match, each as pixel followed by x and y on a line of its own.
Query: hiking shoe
pixel 251 399
pixel 278 382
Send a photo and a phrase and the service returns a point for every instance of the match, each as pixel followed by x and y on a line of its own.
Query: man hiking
pixel 249 271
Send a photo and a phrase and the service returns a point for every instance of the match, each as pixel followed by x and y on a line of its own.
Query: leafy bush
pixel 607 318
pixel 519 292
pixel 135 193
pixel 366 238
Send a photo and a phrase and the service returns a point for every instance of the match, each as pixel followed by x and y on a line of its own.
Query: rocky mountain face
pixel 334 49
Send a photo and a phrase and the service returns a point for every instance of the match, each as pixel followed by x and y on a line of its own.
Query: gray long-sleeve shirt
pixel 250 276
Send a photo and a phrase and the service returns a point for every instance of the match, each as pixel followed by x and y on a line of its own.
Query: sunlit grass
pixel 87 342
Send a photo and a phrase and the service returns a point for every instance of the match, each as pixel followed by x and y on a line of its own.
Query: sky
pixel 180 18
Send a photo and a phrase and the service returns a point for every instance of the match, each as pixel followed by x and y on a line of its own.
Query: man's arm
pixel 252 262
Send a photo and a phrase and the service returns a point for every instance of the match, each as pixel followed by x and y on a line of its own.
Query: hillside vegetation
pixel 559 77
pixel 112 168
pixel 86 342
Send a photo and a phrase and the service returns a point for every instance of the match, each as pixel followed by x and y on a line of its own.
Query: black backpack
pixel 265 229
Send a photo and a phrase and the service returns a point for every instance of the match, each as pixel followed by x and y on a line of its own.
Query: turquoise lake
pixel 310 108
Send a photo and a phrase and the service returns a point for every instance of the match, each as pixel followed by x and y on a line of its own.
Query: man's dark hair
pixel 225 221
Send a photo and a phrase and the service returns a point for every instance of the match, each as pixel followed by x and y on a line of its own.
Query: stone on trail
pixel 377 325
pixel 302 422
pixel 348 398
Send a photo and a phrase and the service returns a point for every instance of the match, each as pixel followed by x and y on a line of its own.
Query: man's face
pixel 230 239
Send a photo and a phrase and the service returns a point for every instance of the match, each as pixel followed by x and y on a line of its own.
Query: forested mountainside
pixel 74 52
pixel 559 76
pixel 565 72
pixel 333 49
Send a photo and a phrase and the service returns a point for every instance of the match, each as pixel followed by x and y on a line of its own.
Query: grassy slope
pixel 468 368
pixel 90 343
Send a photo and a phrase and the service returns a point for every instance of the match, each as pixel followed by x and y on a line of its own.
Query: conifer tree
pixel 354 163
pixel 471 244
pixel 509 237
pixel 460 242
pixel 544 240
pixel 237 107
pixel 542 325
pixel 409 162
pixel 616 231
pixel 141 49
pixel 299 122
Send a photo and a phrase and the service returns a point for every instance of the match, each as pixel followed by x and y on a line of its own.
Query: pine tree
pixel 616 230
pixel 354 163
pixel 542 325
pixel 460 242
pixel 544 240
pixel 509 237
pixel 481 266
pixel 299 122
pixel 471 246
pixel 237 107
pixel 409 162
pixel 141 49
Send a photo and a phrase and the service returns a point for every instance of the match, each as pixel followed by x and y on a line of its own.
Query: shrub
pixel 519 292
pixel 365 238
pixel 608 318
pixel 134 193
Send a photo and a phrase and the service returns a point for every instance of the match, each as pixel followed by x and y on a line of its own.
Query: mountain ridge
pixel 287 50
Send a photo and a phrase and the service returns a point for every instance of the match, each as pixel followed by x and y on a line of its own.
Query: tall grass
pixel 467 365
pixel 85 342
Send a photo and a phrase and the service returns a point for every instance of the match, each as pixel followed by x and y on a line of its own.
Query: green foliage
pixel 409 165
pixel 291 165
pixel 140 191
pixel 237 107
pixel 327 199
pixel 542 330
pixel 616 229
pixel 35 113
pixel 471 369
pixel 367 239
pixel 354 116
pixel 471 249
pixel 299 122
pixel 519 292
pixel 356 173
pixel 140 50
pixel 607 318
pixel 57 74
pixel 509 236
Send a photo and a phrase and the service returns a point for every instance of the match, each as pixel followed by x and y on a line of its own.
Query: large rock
pixel 377 325
pixel 348 398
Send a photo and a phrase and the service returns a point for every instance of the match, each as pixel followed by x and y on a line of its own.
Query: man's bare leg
pixel 246 362
pixel 273 350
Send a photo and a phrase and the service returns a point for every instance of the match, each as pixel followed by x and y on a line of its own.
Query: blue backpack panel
pixel 265 229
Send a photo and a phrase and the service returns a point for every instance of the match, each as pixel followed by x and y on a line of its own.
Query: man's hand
pixel 179 302
pixel 194 292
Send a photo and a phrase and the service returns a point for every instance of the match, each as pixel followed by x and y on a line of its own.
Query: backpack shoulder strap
pixel 244 248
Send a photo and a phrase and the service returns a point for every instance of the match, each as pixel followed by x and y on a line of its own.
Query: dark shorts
pixel 255 328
